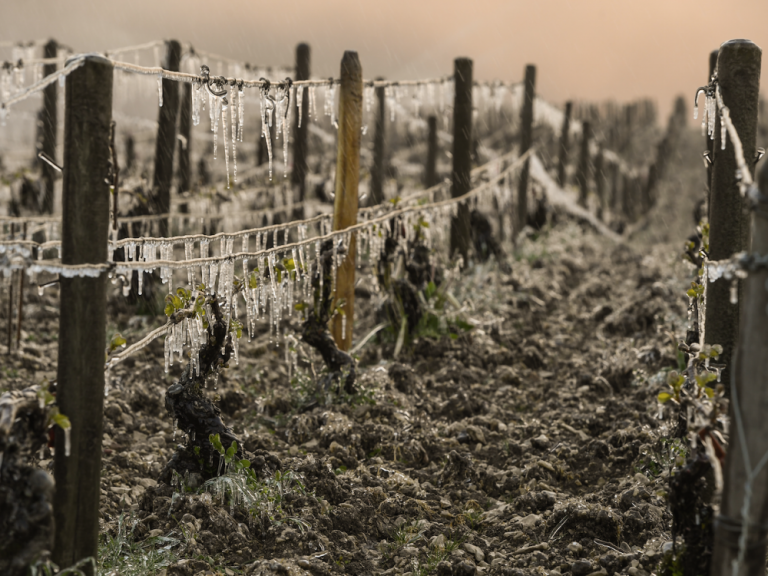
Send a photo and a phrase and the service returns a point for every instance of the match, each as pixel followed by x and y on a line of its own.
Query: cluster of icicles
pixel 271 299
pixel 709 116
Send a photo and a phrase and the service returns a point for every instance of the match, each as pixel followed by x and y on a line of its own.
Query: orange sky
pixel 584 49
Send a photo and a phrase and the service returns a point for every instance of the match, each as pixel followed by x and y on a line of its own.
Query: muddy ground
pixel 531 444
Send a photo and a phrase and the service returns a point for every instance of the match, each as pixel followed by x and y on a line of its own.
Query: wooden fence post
pixel 738 72
pixel 583 174
pixel 185 138
pixel 165 143
pixel 562 158
pixel 347 180
pixel 461 181
pixel 430 171
pixel 600 182
pixel 300 131
pixel 82 322
pixel 50 125
pixel 750 368
pixel 526 139
pixel 379 135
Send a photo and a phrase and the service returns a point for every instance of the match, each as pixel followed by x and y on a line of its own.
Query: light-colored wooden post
pixel 347 179
pixel 82 323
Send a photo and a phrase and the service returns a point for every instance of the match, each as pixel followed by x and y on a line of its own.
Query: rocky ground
pixel 531 444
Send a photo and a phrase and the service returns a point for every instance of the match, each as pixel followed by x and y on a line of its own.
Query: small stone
pixel 475 551
pixel 575 547
pixel 625 547
pixel 464 569
pixel 444 569
pixel 438 541
pixel 530 521
pixel 139 437
pixel 293 450
pixel 667 547
pixel 581 568
pixel 642 478
pixel 541 442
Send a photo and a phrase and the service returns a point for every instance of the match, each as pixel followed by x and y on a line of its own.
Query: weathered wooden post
pixel 300 131
pixel 185 138
pixel 600 182
pixel 82 322
pixel 347 179
pixel 49 128
pixel 461 181
pixel 749 398
pixel 165 143
pixel 430 171
pixel 379 135
pixel 738 73
pixel 562 158
pixel 526 139
pixel 583 174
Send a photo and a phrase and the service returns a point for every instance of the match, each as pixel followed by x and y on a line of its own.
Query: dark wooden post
pixel 379 135
pixel 526 139
pixel 600 182
pixel 562 159
pixel 82 322
pixel 185 138
pixel 751 397
pixel 347 180
pixel 49 128
pixel 166 136
pixel 738 73
pixel 461 181
pixel 130 153
pixel 300 131
pixel 430 172
pixel 583 174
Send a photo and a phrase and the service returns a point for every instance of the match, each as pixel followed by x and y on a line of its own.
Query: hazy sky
pixel 584 49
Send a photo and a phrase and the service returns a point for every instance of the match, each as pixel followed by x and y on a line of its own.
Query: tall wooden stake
pixel 379 135
pixel 738 73
pixel 49 128
pixel 300 131
pixel 600 182
pixel 347 179
pixel 583 174
pixel 749 397
pixel 430 171
pixel 710 142
pixel 185 138
pixel 526 139
pixel 462 154
pixel 562 159
pixel 165 143
pixel 82 321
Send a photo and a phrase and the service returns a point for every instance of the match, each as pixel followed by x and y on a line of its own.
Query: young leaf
pixel 664 397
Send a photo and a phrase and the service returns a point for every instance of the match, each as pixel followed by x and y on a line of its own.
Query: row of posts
pixel 85 207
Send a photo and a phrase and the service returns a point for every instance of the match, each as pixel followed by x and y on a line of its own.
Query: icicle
pixel 735 292
pixel 343 326
pixel 216 117
pixel 160 90
pixel 723 132
pixel 67 441
pixel 233 119
pixel 312 103
pixel 240 111
pixel 299 98
pixel 225 142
